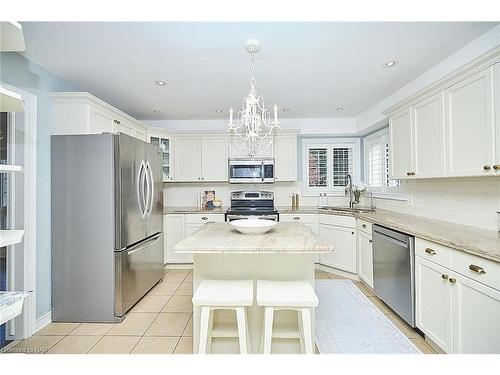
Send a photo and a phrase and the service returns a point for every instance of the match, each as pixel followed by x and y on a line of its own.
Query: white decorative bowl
pixel 253 226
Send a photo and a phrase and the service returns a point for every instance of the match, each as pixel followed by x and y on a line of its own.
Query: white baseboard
pixel 43 321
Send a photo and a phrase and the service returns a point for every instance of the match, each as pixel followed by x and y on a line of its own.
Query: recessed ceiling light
pixel 218 110
pixel 160 83
pixel 390 64
pixel 339 109
pixel 156 111
pixel 286 109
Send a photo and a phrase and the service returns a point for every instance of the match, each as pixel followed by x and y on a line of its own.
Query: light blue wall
pixel 18 71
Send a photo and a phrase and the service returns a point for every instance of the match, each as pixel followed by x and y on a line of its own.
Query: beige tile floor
pixel 160 323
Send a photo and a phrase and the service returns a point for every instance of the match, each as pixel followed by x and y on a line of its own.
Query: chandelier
pixel 252 129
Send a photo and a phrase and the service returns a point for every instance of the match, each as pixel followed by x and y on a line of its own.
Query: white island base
pixel 237 266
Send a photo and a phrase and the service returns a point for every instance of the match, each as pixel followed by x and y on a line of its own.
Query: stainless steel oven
pixel 252 204
pixel 251 171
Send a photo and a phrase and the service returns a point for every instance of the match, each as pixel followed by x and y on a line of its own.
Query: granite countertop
pixel 481 242
pixel 284 238
pixel 193 210
pixel 8 298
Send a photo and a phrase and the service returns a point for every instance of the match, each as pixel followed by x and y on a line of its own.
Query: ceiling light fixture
pixel 161 83
pixel 390 64
pixel 218 110
pixel 286 109
pixel 339 109
pixel 157 111
pixel 253 121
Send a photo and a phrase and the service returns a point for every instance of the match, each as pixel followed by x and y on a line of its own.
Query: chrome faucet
pixel 348 186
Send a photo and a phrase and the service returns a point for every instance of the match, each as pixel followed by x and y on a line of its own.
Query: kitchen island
pixel 286 252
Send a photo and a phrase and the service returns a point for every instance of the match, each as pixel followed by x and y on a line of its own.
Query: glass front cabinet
pixel 165 142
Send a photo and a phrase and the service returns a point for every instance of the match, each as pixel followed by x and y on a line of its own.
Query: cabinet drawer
pixel 364 226
pixel 303 218
pixel 204 218
pixel 344 221
pixel 483 270
pixel 434 252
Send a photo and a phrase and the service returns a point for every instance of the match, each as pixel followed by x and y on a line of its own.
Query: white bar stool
pixel 287 295
pixel 214 295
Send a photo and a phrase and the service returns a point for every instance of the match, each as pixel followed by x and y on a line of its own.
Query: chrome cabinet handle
pixel 204 218
pixel 296 218
pixel 370 241
pixel 444 277
pixel 496 167
pixel 364 225
pixel 430 251
pixel 477 269
pixel 452 280
pixel 408 173
pixel 116 122
pixel 486 167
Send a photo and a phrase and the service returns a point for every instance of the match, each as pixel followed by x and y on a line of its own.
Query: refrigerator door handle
pixel 147 196
pixel 150 188
pixel 140 189
pixel 138 247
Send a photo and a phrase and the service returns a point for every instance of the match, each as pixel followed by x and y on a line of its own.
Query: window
pixel 377 178
pixel 327 164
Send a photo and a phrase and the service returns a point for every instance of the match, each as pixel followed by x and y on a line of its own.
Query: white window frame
pixel 384 192
pixel 330 144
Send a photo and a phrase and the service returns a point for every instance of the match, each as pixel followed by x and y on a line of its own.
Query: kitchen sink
pixel 362 210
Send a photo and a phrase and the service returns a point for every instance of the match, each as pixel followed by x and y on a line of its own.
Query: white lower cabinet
pixel 343 240
pixel 365 257
pixel 476 309
pixel 455 311
pixel 177 227
pixel 174 232
pixel 433 301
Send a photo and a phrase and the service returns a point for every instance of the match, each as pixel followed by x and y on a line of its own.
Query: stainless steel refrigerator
pixel 107 225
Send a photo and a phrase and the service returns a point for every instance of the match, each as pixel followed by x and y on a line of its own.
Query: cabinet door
pixel 428 137
pixel 140 133
pixel 188 158
pixel 214 159
pixel 174 231
pixel 476 309
pixel 344 242
pixel 285 158
pixel 124 126
pixel 166 144
pixel 100 121
pixel 400 138
pixel 469 126
pixel 496 95
pixel 433 302
pixel 265 151
pixel 365 258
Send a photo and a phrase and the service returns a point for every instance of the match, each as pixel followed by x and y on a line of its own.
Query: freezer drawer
pixel 137 269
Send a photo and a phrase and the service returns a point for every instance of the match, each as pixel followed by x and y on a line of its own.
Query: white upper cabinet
pixel 187 158
pixel 470 138
pixel 428 137
pixel 83 113
pixel 214 159
pixel 285 157
pixel 400 138
pixel 166 143
pixel 496 96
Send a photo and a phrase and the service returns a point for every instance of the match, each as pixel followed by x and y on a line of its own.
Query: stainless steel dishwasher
pixel 394 271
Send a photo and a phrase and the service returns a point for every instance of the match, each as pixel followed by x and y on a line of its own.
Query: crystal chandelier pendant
pixel 252 129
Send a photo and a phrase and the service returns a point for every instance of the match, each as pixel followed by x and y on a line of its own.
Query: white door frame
pixel 24 326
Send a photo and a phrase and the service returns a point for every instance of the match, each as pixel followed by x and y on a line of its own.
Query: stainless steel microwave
pixel 251 171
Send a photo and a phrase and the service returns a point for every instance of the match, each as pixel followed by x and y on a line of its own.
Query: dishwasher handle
pixel 392 239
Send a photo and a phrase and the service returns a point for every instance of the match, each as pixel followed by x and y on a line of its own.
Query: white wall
pixel 373 115
pixel 342 126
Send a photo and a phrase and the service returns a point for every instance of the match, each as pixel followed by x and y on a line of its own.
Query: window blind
pixel 342 165
pixel 318 167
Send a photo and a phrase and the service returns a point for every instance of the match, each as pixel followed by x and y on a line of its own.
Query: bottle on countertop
pixel 297 201
pixel 293 201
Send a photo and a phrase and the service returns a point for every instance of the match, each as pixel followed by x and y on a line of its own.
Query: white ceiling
pixel 312 68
